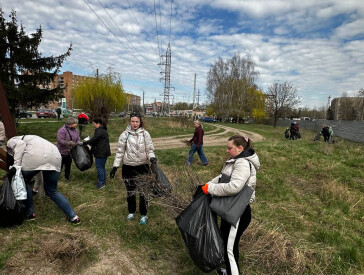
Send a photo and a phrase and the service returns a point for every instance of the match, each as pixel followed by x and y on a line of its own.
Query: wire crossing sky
pixel 316 45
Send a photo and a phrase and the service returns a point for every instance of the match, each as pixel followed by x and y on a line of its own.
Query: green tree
pixel 100 95
pixel 25 74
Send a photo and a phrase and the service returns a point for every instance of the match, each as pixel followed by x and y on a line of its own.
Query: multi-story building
pixel 68 81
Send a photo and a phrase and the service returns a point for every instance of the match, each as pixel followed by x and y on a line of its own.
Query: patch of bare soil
pixel 210 139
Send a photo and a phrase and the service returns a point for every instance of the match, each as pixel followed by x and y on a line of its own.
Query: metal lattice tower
pixel 167 81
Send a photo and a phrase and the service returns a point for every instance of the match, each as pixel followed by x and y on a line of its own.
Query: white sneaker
pixel 143 220
pixel 130 216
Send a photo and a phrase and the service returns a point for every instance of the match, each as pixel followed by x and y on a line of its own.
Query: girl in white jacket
pixel 241 169
pixel 134 150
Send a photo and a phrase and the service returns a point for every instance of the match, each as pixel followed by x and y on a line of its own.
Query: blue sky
pixel 318 45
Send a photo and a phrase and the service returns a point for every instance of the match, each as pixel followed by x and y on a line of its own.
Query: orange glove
pixel 205 188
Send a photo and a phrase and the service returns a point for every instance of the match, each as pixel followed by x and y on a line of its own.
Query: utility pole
pixel 166 108
pixel 143 101
pixel 194 93
pixel 198 98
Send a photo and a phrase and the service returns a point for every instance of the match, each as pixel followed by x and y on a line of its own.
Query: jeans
pixel 50 178
pixel 200 152
pixel 101 171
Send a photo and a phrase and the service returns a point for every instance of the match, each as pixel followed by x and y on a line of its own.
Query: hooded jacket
pixel 134 148
pixel 34 153
pixel 100 144
pixel 241 170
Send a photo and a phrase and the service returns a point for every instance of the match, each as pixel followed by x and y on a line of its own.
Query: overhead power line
pixel 131 8
pixel 156 27
pixel 116 36
pixel 170 24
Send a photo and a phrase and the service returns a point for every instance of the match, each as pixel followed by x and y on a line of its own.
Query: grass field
pixel 308 217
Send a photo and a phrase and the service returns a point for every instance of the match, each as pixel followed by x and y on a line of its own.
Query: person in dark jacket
pixel 67 137
pixel 100 148
pixel 59 112
pixel 197 145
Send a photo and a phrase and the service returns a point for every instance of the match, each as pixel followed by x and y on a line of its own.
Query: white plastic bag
pixel 87 138
pixel 18 184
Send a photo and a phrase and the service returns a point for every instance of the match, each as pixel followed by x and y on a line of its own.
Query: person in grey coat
pixel 35 154
pixel 241 168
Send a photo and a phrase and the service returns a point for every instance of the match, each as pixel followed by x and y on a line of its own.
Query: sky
pixel 317 45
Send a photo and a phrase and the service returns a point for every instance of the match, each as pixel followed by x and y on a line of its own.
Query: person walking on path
pixel 100 148
pixel 197 144
pixel 67 137
pixel 239 169
pixel 59 112
pixel 134 150
pixel 35 154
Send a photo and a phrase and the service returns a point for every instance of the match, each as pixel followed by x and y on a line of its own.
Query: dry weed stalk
pixel 173 200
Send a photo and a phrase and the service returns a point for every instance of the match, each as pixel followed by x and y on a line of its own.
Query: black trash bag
pixel 286 133
pixel 82 157
pixel 198 226
pixel 12 212
pixel 317 137
pixel 161 186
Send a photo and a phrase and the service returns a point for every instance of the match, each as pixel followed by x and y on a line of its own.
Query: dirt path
pixel 211 138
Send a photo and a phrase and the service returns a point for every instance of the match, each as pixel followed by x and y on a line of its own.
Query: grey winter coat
pixel 134 148
pixel 34 153
pixel 239 171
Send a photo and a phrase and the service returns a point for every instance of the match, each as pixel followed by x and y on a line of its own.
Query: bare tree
pixel 228 84
pixel 280 97
pixel 361 92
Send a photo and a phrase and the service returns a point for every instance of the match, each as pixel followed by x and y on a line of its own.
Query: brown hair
pixel 138 116
pixel 241 141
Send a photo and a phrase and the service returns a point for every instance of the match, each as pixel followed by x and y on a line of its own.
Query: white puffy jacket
pixel 134 148
pixel 34 153
pixel 239 171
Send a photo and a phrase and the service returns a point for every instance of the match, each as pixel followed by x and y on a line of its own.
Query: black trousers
pixel 66 162
pixel 231 238
pixel 130 176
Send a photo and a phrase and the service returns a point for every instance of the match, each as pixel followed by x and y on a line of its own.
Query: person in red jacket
pixel 197 141
pixel 82 122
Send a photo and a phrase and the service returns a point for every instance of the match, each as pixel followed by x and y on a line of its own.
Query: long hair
pixel 241 141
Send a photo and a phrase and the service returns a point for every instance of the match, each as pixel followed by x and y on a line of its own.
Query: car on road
pixel 46 113
pixel 208 119
pixel 23 114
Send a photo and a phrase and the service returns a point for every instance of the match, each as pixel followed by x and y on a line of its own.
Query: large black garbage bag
pixel 162 185
pixel 82 157
pixel 12 212
pixel 198 226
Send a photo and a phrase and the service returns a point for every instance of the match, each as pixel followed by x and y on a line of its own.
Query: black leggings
pixel 66 162
pixel 231 237
pixel 130 175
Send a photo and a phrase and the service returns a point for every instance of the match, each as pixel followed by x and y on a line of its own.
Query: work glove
pixel 153 160
pixel 113 172
pixel 205 188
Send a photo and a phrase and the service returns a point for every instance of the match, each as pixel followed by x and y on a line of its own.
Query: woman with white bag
pixel 35 154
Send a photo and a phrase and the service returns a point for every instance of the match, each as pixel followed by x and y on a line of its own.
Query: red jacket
pixel 198 136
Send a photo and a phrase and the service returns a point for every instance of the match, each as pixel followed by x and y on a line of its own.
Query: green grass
pixel 308 217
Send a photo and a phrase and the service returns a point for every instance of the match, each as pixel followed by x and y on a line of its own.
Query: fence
pixel 350 130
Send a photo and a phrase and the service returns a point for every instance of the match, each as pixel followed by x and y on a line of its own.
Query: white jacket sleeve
pixel 149 145
pixel 239 176
pixel 120 149
pixel 18 149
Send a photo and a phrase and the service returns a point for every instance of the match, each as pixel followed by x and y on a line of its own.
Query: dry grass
pixel 272 250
